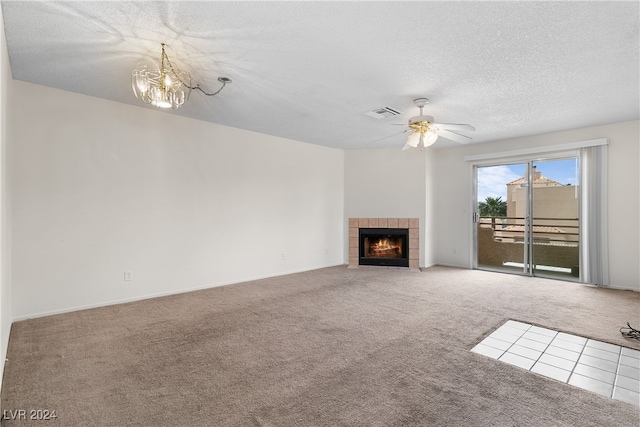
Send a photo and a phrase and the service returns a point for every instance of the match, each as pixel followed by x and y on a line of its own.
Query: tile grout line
pixel 577 361
pixel 541 353
pixel 513 343
pixel 615 379
pixel 544 351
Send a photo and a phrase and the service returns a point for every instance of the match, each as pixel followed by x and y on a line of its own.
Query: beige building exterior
pixel 551 199
pixel 555 211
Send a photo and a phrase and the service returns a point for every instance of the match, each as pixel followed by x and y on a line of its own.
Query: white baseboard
pixel 162 294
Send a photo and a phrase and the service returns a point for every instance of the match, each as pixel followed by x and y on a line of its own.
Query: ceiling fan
pixel 425 131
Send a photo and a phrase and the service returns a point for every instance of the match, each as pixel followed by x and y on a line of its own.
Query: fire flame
pixel 384 247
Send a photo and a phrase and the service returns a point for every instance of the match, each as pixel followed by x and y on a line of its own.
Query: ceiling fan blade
pixel 454 126
pixel 462 139
pixel 406 146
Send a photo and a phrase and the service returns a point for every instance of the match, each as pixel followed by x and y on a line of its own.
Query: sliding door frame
pixel 543 153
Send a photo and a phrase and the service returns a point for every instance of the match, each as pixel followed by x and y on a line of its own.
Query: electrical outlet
pixel 128 276
pixel 284 257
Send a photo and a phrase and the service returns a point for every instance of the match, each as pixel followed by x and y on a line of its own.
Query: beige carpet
pixel 331 347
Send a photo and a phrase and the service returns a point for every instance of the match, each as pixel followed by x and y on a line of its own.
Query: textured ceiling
pixel 310 71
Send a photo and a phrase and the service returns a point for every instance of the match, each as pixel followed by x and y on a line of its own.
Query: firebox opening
pixel 384 246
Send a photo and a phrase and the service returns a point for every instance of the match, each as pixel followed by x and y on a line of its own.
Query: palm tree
pixel 493 207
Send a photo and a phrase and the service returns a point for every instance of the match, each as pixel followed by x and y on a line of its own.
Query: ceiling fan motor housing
pixel 420 123
pixel 416 119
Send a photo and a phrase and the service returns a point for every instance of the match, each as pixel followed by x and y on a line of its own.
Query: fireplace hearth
pixel 384 246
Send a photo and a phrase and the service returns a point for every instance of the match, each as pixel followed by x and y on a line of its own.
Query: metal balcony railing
pixel 551 231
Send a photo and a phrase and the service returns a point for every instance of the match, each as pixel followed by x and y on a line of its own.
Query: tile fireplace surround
pixel 413 224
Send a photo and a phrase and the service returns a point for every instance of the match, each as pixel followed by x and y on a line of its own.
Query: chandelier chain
pixel 197 86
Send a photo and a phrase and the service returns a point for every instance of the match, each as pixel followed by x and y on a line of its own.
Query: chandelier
pixel 163 84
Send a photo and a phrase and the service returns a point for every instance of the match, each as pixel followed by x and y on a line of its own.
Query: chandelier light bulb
pixel 141 82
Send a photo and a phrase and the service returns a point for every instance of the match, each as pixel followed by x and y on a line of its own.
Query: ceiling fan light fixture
pixel 414 139
pixel 422 137
pixel 425 131
pixel 431 138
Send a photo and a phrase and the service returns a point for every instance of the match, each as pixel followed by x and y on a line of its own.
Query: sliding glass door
pixel 527 218
pixel 500 218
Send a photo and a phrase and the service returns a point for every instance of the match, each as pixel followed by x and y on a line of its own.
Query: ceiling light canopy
pixel 163 84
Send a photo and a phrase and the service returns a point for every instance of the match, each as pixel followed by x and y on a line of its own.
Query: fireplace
pixel 410 251
pixel 384 246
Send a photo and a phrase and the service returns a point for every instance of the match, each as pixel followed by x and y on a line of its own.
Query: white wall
pixel 454 192
pixel 389 183
pixel 431 206
pixel 5 199
pixel 100 188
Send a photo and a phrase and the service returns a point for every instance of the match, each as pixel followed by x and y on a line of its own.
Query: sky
pixel 492 180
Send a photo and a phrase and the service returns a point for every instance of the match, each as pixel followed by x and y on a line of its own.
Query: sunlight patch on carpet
pixel 603 368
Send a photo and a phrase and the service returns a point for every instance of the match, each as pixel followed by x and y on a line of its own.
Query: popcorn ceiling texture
pixel 310 71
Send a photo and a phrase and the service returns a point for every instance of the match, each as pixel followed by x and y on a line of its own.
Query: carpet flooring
pixel 329 347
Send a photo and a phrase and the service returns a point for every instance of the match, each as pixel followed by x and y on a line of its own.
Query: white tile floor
pixel 607 369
